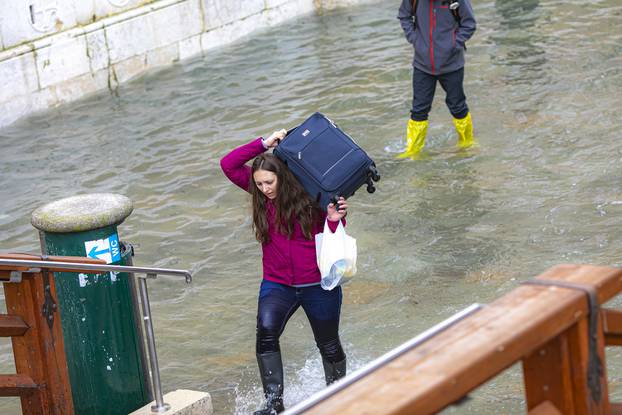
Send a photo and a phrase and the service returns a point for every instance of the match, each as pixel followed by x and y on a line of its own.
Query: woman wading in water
pixel 285 221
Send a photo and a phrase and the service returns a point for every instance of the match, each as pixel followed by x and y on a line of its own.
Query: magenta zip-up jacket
pixel 286 261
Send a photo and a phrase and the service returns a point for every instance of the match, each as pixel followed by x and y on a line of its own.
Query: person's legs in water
pixel 276 304
pixel 323 309
pixel 424 86
pixel 455 99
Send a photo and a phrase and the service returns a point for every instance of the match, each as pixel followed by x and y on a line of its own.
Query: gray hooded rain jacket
pixel 437 36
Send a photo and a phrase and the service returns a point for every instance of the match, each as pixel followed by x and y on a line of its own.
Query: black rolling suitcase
pixel 326 161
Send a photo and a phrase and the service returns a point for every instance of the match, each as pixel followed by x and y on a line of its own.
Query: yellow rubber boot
pixel 464 128
pixel 415 138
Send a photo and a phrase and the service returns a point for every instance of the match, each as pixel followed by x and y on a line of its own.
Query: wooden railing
pixel 544 325
pixel 32 321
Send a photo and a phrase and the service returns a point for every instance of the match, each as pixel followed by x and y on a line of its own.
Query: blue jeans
pixel 424 86
pixel 278 302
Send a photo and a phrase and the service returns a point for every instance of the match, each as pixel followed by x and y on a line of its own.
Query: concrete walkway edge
pixel 182 402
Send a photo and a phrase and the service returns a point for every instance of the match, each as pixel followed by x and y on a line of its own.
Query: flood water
pixel 543 80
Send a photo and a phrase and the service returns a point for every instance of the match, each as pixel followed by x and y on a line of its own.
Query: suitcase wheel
pixel 370 182
pixel 373 173
pixel 370 186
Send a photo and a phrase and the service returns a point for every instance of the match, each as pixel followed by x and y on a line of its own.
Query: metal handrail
pixel 381 361
pixel 98 267
pixel 150 273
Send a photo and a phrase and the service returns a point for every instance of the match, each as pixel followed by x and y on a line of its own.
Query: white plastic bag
pixel 336 256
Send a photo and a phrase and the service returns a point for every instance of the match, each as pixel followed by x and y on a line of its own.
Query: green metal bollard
pixel 103 342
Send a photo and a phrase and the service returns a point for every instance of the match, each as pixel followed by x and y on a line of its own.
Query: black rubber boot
pixel 334 371
pixel 271 371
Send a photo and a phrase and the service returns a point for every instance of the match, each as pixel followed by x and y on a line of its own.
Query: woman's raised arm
pixel 234 164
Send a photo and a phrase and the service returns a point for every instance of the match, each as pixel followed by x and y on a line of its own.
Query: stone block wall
pixel 56 51
pixel 26 20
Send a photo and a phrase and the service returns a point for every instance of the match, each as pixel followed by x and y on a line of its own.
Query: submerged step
pixel 182 402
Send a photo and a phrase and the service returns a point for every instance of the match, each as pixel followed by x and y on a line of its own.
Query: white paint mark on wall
pixel 43 15
pixel 119 3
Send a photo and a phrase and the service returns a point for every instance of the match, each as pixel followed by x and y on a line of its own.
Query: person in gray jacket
pixel 438 30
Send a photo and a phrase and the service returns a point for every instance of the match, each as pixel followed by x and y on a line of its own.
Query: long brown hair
pixel 291 201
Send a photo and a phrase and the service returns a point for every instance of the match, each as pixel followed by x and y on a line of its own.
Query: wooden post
pixel 547 373
pixel 612 326
pixel 42 381
pixel 557 372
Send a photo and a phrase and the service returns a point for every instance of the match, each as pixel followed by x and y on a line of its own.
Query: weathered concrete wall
pixel 56 51
pixel 27 20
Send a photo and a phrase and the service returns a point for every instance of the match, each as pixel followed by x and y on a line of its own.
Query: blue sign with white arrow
pixel 107 249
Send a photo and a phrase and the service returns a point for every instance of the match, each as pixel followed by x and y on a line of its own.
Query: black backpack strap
pixel 454 12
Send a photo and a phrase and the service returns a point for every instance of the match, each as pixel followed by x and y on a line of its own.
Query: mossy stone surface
pixel 82 213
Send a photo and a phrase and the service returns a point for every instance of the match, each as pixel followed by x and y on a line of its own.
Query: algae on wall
pixel 332 4
pixel 24 21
